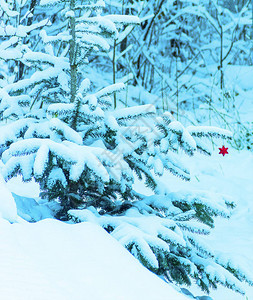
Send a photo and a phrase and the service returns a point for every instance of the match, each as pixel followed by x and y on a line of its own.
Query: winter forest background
pixel 115 116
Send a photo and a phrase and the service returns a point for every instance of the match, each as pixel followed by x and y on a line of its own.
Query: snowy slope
pixel 51 260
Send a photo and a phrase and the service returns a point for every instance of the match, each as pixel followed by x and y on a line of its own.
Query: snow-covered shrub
pixel 84 154
pixel 17 33
pixel 163 232
pixel 57 104
pixel 92 168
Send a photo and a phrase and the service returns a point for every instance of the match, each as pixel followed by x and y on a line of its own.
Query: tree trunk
pixel 72 53
pixel 21 66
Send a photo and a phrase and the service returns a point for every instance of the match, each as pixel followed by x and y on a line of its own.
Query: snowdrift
pixel 51 260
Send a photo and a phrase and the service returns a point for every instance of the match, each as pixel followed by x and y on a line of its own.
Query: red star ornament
pixel 223 150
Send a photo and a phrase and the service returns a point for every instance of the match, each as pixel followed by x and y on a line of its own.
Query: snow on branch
pixel 109 90
pixel 29 146
pixel 100 5
pixel 209 131
pixel 135 112
pixel 50 2
pixel 14 130
pixel 123 19
pixel 10 13
pixel 103 23
pixel 68 108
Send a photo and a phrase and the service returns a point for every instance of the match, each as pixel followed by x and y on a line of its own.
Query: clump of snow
pixel 32 211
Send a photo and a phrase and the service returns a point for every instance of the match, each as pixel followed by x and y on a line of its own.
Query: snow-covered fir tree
pixel 85 155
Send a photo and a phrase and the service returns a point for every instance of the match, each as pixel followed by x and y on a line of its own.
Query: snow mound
pixel 54 260
pixel 8 209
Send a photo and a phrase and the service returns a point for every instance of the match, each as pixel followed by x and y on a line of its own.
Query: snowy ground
pixel 51 260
